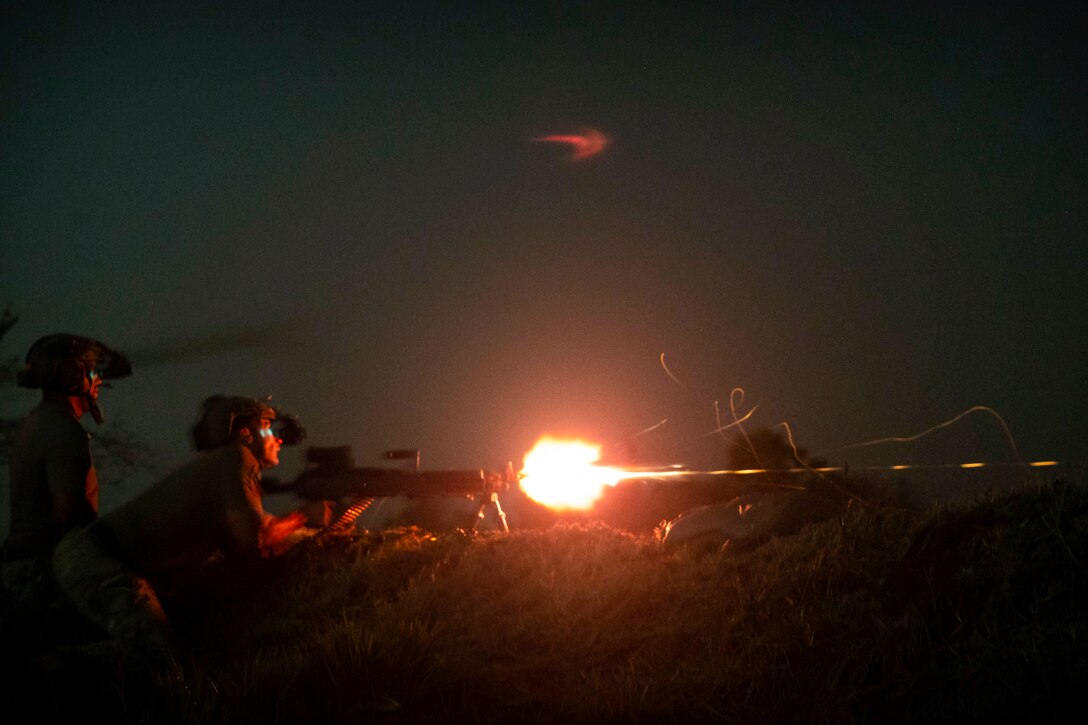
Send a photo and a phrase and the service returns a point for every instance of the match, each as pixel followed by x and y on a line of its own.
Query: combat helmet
pixel 47 353
pixel 217 416
pixel 84 356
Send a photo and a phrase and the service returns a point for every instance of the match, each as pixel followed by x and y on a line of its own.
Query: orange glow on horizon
pixel 563 474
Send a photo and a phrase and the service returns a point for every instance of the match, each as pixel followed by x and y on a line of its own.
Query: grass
pixel 887 615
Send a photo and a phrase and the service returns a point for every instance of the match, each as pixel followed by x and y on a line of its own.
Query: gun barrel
pixel 324 484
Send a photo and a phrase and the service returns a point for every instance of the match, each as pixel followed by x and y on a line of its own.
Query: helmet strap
pixel 95 410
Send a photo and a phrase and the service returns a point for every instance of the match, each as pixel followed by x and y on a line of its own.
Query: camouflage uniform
pixel 212 504
pixel 51 456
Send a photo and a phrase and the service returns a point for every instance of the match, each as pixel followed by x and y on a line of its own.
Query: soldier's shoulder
pixel 52 411
pixel 52 421
pixel 232 458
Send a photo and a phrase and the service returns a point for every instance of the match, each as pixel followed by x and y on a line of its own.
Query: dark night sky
pixel 869 219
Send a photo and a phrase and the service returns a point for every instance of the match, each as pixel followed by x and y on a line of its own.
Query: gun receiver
pixel 331 475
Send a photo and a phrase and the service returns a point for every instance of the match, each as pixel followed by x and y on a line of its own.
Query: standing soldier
pixel 54 486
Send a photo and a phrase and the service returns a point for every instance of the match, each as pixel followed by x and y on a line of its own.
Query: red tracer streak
pixel 587 144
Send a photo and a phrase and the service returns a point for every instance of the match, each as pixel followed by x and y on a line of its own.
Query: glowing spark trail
pixel 975 409
pixel 585 145
pixel 653 427
pixel 669 372
pixel 736 423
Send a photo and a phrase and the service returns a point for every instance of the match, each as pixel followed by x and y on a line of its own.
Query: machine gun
pixel 331 475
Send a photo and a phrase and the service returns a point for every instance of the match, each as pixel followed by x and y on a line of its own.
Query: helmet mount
pixel 220 414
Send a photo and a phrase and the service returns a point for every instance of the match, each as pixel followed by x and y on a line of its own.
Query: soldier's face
pixel 79 377
pixel 266 446
pixel 95 382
